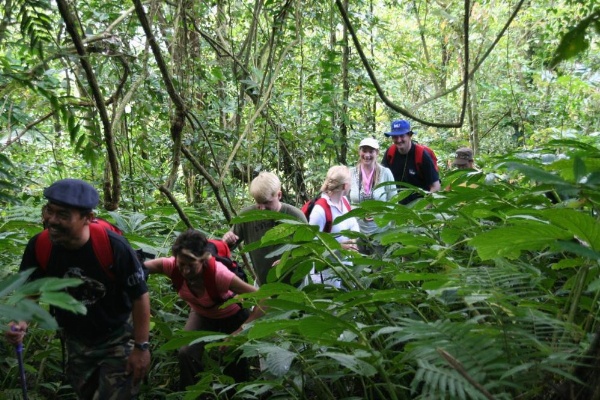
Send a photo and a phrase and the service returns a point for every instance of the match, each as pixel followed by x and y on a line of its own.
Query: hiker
pixel 410 162
pixel 364 178
pixel 265 189
pixel 107 348
pixel 205 284
pixel 333 190
pixel 463 159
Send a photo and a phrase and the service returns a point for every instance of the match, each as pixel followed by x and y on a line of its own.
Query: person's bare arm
pixel 239 286
pixel 139 360
pixel 154 266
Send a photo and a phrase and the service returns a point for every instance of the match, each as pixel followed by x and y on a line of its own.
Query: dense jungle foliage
pixel 487 290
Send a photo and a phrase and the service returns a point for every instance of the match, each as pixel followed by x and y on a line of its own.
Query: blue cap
pixel 72 193
pixel 399 127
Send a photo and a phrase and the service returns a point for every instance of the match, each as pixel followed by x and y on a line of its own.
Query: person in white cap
pixel 365 176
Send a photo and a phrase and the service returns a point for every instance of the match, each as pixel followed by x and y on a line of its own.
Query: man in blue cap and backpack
pixel 410 162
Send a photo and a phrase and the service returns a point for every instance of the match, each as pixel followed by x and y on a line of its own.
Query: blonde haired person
pixel 265 189
pixel 334 189
pixel 365 176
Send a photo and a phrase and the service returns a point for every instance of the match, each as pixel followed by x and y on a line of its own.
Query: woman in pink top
pixel 191 271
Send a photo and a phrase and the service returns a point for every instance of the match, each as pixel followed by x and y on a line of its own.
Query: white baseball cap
pixel 369 142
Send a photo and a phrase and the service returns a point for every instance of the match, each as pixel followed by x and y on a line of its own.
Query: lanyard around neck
pixel 366 180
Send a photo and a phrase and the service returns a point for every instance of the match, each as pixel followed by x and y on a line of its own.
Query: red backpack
pixel 419 148
pixel 309 205
pixel 100 244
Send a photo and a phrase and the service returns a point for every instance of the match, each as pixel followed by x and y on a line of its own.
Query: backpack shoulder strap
pixel 390 153
pixel 43 249
pixel 100 244
pixel 106 225
pixel 328 218
pixel 102 247
pixel 346 203
pixel 418 157
pixel 176 279
pixel 209 273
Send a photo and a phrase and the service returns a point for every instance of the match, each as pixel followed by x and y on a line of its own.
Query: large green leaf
pixel 184 338
pixel 45 285
pixel 262 329
pixel 510 241
pixel 277 359
pixel 539 175
pixel 27 310
pixel 582 225
pixel 12 282
pixel 575 42
pixel 319 329
pixel 63 300
pixel 352 362
pixel 278 362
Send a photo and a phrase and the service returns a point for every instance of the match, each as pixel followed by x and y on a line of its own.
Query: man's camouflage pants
pixel 97 372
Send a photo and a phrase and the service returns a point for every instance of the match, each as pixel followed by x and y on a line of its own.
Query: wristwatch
pixel 142 346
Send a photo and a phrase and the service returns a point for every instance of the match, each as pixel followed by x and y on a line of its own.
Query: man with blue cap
pixel 410 162
pixel 107 347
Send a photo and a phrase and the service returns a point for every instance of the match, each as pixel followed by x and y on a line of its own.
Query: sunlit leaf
pixel 63 300
pixel 266 328
pixel 509 241
pixel 14 281
pixel 353 363
pixel 279 362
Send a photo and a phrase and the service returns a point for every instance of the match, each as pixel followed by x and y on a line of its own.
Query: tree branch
pixel 178 121
pixel 461 370
pixel 380 91
pixel 162 66
pixel 111 198
pixel 480 62
pixel 259 109
pixel 213 184
pixel 290 160
pixel 176 205
pixel 30 125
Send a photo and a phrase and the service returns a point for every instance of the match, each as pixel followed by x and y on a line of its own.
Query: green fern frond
pixel 433 382
pixel 36 23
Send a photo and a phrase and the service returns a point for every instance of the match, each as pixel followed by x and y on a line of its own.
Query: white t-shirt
pixel 317 217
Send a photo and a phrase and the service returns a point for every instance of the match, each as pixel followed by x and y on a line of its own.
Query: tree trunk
pixel 472 109
pixel 345 95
